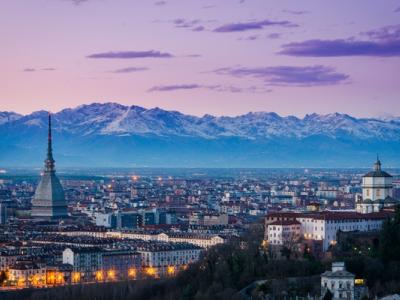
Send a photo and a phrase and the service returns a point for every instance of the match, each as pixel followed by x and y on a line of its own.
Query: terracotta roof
pixel 332 215
pixel 285 223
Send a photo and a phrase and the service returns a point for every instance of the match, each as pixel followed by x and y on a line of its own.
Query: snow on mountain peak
pixel 116 119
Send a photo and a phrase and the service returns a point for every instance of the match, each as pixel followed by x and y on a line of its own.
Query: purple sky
pixel 222 57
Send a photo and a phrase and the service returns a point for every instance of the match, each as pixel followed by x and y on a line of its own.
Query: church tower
pixel 377 190
pixel 49 198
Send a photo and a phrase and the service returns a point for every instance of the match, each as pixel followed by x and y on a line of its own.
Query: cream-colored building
pixel 339 282
pixel 377 190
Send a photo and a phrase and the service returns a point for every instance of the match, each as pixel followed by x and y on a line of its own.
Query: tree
pixel 328 295
pixel 3 277
pixel 390 238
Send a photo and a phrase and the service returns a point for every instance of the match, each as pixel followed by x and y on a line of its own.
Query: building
pixel 215 219
pixel 120 264
pixel 7 259
pixel 108 220
pixel 283 232
pixel 338 281
pixel 201 240
pixel 119 220
pixel 49 198
pixel 3 213
pixel 377 190
pixel 96 264
pixel 85 261
pixel 27 274
pixel 162 259
pixel 323 226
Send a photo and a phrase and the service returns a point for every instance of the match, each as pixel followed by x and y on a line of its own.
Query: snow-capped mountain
pixel 105 134
pixel 6 116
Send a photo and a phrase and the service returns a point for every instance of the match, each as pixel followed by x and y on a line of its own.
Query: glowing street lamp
pixel 76 277
pixel 132 273
pixel 111 274
pixel 150 271
pixel 99 276
pixel 171 270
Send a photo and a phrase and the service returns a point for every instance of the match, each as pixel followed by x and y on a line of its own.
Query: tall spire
pixel 49 162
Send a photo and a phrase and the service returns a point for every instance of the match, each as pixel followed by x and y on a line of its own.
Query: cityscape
pixel 146 224
pixel 256 159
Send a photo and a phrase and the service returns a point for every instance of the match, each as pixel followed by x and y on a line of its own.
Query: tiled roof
pixel 332 215
pixel 285 223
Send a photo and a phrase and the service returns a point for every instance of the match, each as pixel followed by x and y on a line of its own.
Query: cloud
pixel 131 54
pixel 383 42
pixel 169 88
pixel 274 35
pixel 296 12
pixel 235 89
pixel 199 28
pixel 193 55
pixel 384 34
pixel 249 38
pixel 77 2
pixel 208 6
pixel 159 3
pixel 41 69
pixel 252 25
pixel 349 47
pixel 257 37
pixel 217 88
pixel 288 75
pixel 130 70
pixel 191 24
pixel 194 25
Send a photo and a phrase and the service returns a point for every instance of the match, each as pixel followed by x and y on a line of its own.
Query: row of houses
pixel 202 240
pixel 96 264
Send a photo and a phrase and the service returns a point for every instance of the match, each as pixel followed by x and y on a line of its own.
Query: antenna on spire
pixel 49 162
pixel 377 165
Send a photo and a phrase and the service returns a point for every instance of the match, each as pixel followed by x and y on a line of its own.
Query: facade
pixel 160 260
pixel 95 264
pixel 3 213
pixel 339 282
pixel 7 260
pixel 201 240
pixel 323 226
pixel 27 274
pixel 119 220
pixel 49 198
pixel 377 190
pixel 84 261
pixel 216 219
pixel 120 264
pixel 283 232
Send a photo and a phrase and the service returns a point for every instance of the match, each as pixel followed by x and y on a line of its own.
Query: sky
pixel 220 57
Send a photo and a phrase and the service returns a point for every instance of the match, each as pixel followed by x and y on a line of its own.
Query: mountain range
pixel 114 135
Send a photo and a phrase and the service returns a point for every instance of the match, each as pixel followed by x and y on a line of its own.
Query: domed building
pixel 49 199
pixel 377 190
